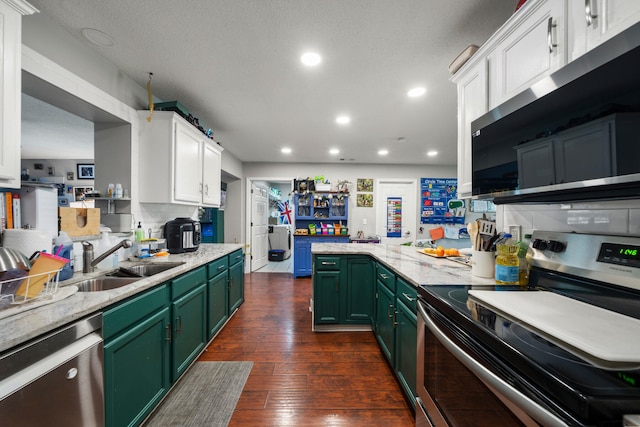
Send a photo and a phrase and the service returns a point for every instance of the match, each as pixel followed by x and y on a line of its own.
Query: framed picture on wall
pixel 86 171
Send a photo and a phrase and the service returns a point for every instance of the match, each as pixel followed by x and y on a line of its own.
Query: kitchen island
pixel 29 324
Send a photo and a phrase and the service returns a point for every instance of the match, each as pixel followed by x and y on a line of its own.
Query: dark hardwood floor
pixel 302 378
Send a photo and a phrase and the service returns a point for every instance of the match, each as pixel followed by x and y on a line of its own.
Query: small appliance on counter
pixel 182 235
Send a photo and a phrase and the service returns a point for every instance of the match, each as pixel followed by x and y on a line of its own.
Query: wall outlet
pixel 364 221
pixel 516 232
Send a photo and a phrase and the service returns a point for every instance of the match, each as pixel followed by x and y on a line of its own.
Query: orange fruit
pixel 440 251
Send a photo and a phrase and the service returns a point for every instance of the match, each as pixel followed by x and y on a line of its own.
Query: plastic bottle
pixel 64 248
pixel 110 190
pixel 523 268
pixel 139 232
pixel 507 262
pixel 117 194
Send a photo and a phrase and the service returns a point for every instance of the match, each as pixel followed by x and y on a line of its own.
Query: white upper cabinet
pixel 531 49
pixel 592 22
pixel 11 12
pixel 472 103
pixel 178 164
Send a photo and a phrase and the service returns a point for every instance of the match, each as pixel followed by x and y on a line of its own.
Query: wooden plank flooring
pixel 302 378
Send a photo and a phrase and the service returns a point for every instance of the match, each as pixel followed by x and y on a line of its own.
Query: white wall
pixel 351 172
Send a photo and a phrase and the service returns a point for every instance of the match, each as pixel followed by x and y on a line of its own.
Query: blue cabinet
pixel 302 259
pixel 317 208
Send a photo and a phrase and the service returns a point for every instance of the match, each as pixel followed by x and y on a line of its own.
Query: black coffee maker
pixel 183 235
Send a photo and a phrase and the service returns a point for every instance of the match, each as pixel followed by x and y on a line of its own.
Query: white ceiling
pixel 235 65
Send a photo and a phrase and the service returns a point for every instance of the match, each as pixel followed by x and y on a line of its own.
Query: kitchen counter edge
pixel 22 327
pixel 414 267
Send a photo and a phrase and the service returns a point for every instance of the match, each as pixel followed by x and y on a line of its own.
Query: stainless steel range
pixel 562 351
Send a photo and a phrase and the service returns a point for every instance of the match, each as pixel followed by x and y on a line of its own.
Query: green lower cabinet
pixel 358 288
pixel 236 286
pixel 326 297
pixel 343 290
pixel 384 330
pixel 217 303
pixel 405 360
pixel 136 357
pixel 189 314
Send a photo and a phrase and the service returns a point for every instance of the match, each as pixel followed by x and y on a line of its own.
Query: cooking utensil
pixel 487 227
pixel 472 229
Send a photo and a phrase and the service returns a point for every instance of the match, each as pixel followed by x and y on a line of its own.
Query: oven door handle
pixel 531 408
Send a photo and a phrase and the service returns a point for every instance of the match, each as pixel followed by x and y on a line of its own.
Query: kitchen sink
pixel 104 283
pixel 143 270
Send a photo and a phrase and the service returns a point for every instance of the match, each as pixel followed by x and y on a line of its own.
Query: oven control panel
pixel 610 259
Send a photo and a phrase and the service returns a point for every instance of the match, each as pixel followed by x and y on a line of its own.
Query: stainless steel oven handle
pixel 533 409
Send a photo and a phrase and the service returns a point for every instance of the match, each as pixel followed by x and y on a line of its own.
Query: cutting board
pixel 611 338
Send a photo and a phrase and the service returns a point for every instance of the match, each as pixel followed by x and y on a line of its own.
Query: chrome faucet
pixel 89 264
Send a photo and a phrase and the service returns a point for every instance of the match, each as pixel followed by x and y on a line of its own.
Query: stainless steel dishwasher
pixel 55 380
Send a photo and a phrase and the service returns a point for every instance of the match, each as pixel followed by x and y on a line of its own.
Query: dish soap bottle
pixel 507 262
pixel 139 235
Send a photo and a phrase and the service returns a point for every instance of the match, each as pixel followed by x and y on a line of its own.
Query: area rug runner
pixel 205 396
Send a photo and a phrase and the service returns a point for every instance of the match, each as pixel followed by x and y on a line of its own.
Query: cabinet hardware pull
pixel 407 296
pixel 328 263
pixel 550 27
pixel 179 322
pixel 220 267
pixel 206 189
pixel 389 307
pixel 200 188
pixel 395 320
pixel 384 276
pixel 588 11
pixel 168 328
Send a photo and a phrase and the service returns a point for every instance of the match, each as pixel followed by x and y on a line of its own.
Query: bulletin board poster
pixel 394 216
pixel 434 201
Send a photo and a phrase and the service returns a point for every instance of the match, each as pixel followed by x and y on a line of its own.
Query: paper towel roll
pixel 28 241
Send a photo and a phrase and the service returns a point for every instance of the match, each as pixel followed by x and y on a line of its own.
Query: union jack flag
pixel 285 212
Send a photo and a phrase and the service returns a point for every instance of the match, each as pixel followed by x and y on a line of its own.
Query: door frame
pixel 381 219
pixel 247 225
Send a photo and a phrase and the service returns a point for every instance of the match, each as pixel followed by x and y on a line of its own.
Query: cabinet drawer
pixel 186 282
pixel 132 311
pixel 216 267
pixel 407 294
pixel 327 263
pixel 235 257
pixel 385 276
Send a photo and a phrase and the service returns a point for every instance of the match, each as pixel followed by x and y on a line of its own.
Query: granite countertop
pixel 31 323
pixel 416 268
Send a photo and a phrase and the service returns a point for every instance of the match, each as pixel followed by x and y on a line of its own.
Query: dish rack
pixel 19 290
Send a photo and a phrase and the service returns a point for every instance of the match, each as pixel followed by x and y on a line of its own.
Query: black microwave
pixel 572 136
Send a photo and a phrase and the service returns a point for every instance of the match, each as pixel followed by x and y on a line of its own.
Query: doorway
pixel 271 225
pixel 399 194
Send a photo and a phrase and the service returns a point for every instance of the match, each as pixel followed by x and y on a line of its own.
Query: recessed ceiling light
pixel 286 150
pixel 416 92
pixel 383 152
pixel 432 153
pixel 334 151
pixel 98 37
pixel 343 120
pixel 311 59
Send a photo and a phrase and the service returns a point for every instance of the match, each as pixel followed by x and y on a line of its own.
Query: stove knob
pixel 556 246
pixel 540 244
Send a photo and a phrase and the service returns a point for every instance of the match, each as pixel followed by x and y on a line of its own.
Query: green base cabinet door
pixel 406 337
pixel 236 286
pixel 137 371
pixel 326 297
pixel 385 331
pixel 359 290
pixel 217 303
pixel 189 314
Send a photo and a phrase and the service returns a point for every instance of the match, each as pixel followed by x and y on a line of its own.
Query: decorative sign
pixel 394 217
pixel 438 202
